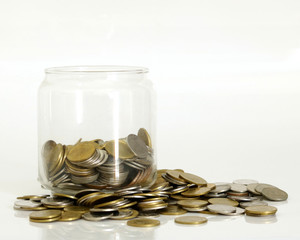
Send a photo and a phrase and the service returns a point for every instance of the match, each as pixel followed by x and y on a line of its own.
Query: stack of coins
pixel 98 164
pixel 174 192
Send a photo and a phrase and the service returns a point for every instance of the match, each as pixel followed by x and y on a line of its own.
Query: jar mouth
pixel 92 69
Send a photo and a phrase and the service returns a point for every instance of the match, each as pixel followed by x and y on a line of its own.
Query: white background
pixel 227 76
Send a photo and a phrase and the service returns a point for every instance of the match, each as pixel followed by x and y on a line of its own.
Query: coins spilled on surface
pixel 100 164
pixel 174 193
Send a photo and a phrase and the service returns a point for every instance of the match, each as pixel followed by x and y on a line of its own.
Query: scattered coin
pixel 240 188
pixel 261 186
pixel 173 210
pixel 143 222
pixel 245 181
pixel 274 194
pixel 253 203
pixel 191 178
pixel 45 214
pixel 223 201
pixel 190 220
pixel 192 203
pixel 260 210
pixel 221 208
pixel 96 217
pixel 70 216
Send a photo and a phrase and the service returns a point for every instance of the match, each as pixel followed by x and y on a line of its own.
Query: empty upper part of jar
pixel 96 128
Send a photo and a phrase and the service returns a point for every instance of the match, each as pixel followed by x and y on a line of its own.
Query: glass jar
pixel 96 127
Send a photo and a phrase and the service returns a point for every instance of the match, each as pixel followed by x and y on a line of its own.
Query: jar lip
pixel 93 69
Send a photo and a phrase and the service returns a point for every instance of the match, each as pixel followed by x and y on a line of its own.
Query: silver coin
pixel 238 211
pixel 84 180
pixel 221 188
pixel 134 188
pixel 121 214
pixel 245 181
pixel 99 217
pixel 215 195
pixel 261 186
pixel 251 188
pixel 57 201
pixel 240 188
pixel 253 203
pixel 154 207
pixel 27 204
pixel 137 146
pixel 220 208
pixel 274 194
pixel 242 198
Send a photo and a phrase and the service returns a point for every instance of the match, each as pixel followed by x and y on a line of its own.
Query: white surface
pixel 227 76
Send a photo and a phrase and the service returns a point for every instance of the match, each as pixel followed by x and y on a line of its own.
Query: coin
pixel 70 216
pixel 223 201
pixel 245 181
pixel 124 150
pixel 191 178
pixel 197 209
pixel 274 194
pixel 143 222
pixel 144 135
pixel 173 210
pixel 221 208
pixel 96 217
pixel 192 203
pixel 137 146
pixel 190 220
pixel 241 188
pixel 251 188
pixel 260 210
pixel 134 214
pixel 80 209
pixel 45 214
pixel 81 151
pixel 47 220
pixel 221 188
pixel 195 192
pixel 253 203
pixel 261 186
pixel 64 196
pixel 27 204
pixel 121 214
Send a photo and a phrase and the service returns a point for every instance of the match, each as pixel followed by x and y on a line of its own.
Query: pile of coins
pixel 99 164
pixel 175 192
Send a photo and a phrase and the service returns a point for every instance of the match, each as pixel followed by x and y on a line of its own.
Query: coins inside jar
pixel 112 164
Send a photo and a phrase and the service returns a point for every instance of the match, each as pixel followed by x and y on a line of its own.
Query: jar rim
pixel 92 69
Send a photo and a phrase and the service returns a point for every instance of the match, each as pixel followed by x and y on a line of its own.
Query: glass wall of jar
pixel 96 128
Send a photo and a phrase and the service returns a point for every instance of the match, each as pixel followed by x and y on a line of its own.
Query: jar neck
pixel 97 73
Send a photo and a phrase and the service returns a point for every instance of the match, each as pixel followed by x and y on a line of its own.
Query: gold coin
pixel 173 210
pixel 109 203
pixel 224 201
pixel 190 220
pixel 81 151
pixel 192 203
pixel 180 197
pixel 144 135
pixel 56 157
pixel 134 214
pixel 174 174
pixel 191 178
pixel 47 151
pixel 260 210
pixel 47 220
pixel 211 186
pixel 143 222
pixel 45 214
pixel 80 209
pixel 124 150
pixel 195 192
pixel 70 216
pixel 128 205
pixel 64 196
pixel 158 186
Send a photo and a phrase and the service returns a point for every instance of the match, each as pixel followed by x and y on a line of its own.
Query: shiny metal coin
pixel 253 203
pixel 240 188
pixel 137 145
pixel 274 194
pixel 221 208
pixel 99 217
pixel 245 181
